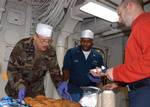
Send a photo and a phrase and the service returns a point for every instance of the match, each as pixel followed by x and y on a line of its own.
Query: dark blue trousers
pixel 75 92
pixel 140 97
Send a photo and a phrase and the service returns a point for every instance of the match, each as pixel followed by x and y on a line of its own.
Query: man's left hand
pixel 97 72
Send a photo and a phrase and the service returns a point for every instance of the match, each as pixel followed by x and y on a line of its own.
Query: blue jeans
pixel 140 97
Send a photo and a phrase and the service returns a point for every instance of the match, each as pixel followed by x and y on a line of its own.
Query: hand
pixel 66 95
pixel 94 79
pixel 111 86
pixel 21 93
pixel 109 74
pixel 63 90
pixel 97 72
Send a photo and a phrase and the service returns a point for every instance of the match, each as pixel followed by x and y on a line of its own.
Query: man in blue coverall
pixel 77 63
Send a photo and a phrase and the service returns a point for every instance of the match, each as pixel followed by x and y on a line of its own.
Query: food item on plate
pixel 40 97
pixel 43 101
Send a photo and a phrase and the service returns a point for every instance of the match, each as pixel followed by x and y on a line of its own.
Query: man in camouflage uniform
pixel 29 61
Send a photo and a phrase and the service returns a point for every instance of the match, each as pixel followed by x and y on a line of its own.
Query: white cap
pixel 87 34
pixel 44 30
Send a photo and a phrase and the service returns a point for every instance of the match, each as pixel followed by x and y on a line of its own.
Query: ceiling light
pixel 100 10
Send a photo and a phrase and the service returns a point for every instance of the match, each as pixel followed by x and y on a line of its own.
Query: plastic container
pixel 90 96
pixel 107 99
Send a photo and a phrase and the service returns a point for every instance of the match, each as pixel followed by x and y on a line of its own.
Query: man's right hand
pixel 63 90
pixel 111 86
pixel 97 72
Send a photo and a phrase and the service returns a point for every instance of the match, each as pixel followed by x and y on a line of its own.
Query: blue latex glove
pixel 63 90
pixel 66 95
pixel 21 93
pixel 94 79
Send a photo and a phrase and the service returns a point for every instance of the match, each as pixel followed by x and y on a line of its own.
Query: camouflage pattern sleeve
pixel 14 67
pixel 54 67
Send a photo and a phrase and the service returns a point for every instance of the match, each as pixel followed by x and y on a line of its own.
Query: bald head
pixel 137 2
pixel 129 10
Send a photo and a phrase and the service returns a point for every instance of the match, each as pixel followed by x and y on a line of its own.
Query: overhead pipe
pixel 2 9
pixel 69 23
pixel 49 9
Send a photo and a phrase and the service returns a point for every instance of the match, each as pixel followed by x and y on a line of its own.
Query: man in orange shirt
pixel 135 71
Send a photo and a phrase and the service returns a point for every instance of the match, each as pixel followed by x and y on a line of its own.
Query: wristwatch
pixel 103 69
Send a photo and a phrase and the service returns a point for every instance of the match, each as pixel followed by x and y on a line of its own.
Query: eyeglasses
pixel 44 41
